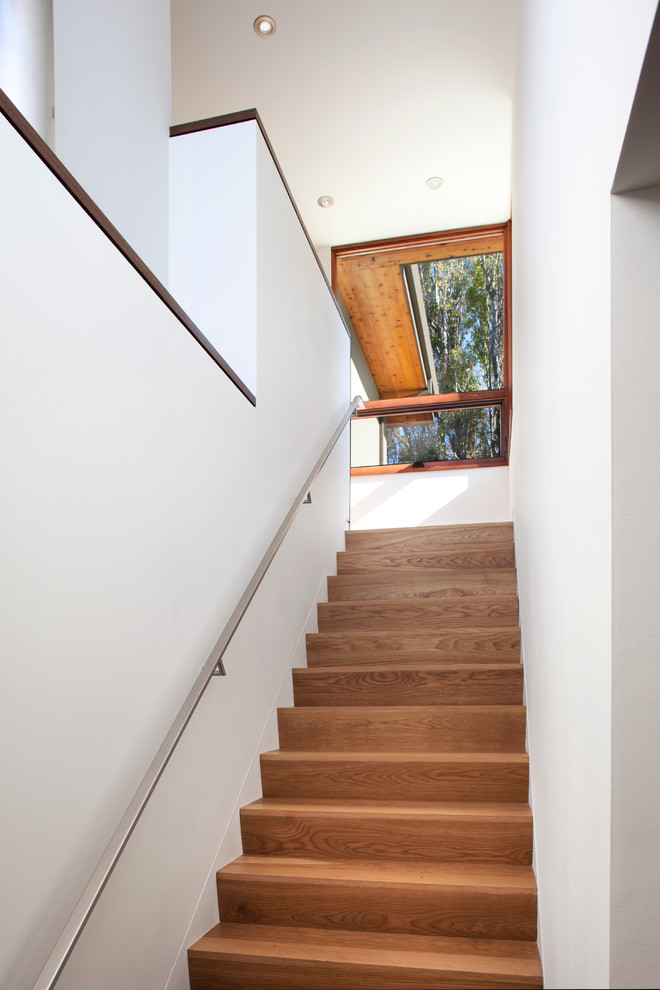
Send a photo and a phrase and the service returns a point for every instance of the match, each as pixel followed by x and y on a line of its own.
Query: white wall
pixel 635 948
pixel 112 113
pixel 26 59
pixel 362 381
pixel 163 895
pixel 134 511
pixel 365 440
pixel 430 498
pixel 365 436
pixel 579 62
pixel 213 243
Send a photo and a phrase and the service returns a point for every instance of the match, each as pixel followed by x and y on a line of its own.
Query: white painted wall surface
pixel 362 381
pixel 432 498
pixel 26 59
pixel 578 67
pixel 635 947
pixel 365 436
pixel 163 896
pixel 113 113
pixel 213 239
pixel 134 511
pixel 365 441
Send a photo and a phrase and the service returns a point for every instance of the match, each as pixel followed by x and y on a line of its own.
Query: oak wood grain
pixel 396 776
pixel 446 728
pixel 418 614
pixel 231 956
pixel 486 645
pixel 488 558
pixel 396 807
pixel 420 583
pixel 429 537
pixel 456 684
pixel 470 899
pixel 383 831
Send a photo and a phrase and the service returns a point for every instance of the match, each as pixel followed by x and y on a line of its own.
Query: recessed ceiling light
pixel 325 201
pixel 434 182
pixel 265 26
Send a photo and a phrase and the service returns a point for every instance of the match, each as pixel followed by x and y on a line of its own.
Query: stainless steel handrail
pixel 90 895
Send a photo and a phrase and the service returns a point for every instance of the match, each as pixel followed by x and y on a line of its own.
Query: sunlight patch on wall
pixel 402 500
pixel 435 498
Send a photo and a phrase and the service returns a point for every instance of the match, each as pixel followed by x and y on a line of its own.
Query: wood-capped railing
pixel 45 153
pixel 94 212
pixel 241 117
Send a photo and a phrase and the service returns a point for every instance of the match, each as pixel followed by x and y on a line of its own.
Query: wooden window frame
pixel 470 237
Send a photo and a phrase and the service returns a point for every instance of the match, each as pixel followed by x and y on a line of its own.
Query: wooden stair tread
pixel 451 666
pixel 487 645
pixel 435 614
pixel 481 876
pixel 497 948
pixel 328 756
pixel 479 957
pixel 433 536
pixel 417 576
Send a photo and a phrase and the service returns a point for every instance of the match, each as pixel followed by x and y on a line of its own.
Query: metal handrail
pixel 87 902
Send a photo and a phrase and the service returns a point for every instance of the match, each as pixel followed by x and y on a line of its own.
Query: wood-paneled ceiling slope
pixel 379 285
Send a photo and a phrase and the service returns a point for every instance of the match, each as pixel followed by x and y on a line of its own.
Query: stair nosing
pixel 510 811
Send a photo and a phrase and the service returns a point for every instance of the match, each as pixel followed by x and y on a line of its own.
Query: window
pixel 431 355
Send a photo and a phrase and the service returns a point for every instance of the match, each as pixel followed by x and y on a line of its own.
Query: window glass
pixel 464 302
pixel 427 437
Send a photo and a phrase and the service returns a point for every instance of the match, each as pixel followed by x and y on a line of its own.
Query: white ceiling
pixel 364 100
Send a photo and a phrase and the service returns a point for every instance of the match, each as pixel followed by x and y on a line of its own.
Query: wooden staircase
pixel 393 845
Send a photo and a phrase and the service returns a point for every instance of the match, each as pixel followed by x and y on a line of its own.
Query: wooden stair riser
pixel 361 833
pixel 246 956
pixel 422 615
pixel 404 585
pixel 493 556
pixel 490 645
pixel 230 955
pixel 476 729
pixel 429 537
pixel 421 909
pixel 390 776
pixel 452 685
